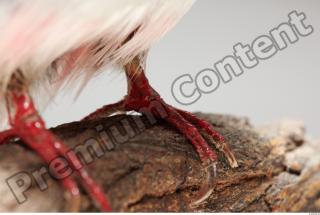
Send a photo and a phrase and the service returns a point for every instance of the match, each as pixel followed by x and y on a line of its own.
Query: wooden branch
pixel 144 167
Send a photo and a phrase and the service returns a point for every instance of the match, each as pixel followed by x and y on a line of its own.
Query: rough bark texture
pixel 148 167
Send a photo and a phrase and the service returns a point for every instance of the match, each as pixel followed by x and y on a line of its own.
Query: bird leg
pixel 144 99
pixel 27 125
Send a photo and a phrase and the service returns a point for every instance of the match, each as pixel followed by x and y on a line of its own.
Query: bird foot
pixel 30 128
pixel 142 98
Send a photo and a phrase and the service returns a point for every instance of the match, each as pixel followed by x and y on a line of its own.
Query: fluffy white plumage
pixel 41 37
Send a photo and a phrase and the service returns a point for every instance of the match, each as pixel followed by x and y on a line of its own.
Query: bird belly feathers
pixel 77 38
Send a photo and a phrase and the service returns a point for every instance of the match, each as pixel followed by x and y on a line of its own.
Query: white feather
pixel 36 33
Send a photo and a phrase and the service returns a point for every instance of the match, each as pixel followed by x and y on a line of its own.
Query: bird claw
pixel 207 187
pixel 229 155
pixel 73 204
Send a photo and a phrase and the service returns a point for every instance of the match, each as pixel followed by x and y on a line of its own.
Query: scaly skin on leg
pixel 30 128
pixel 220 142
pixel 106 110
pixel 141 97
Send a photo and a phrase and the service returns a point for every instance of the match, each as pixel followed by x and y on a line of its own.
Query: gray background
pixel 285 86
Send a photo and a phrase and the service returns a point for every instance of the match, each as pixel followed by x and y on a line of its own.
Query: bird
pixel 49 44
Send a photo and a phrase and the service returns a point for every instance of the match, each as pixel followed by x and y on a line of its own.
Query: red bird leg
pixel 143 98
pixel 106 111
pixel 141 95
pixel 6 135
pixel 28 125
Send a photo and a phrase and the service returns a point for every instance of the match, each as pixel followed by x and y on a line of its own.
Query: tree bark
pixel 147 166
